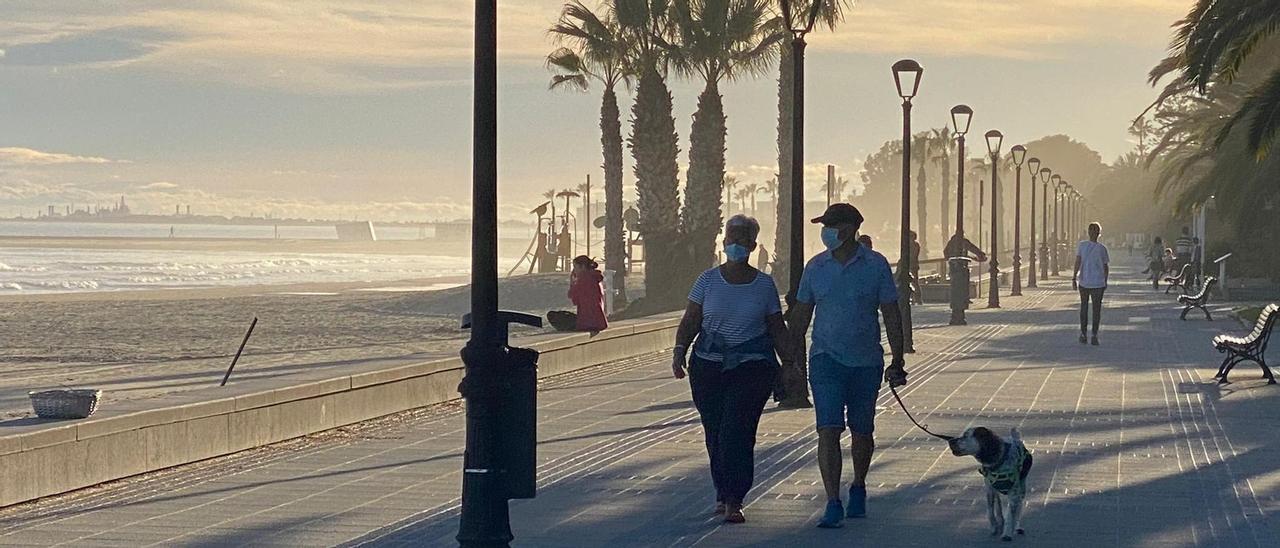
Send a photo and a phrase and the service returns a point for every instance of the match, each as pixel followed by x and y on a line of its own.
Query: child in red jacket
pixel 587 294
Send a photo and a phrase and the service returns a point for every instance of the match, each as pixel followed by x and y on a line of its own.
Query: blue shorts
pixel 838 388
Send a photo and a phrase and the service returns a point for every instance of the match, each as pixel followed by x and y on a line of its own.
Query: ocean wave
pixel 10 287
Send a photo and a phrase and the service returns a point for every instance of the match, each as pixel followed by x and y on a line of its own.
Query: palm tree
pixel 751 190
pixel 646 29
pixel 770 187
pixel 743 194
pixel 1212 45
pixel 837 189
pixel 720 40
pixel 830 13
pixel 921 149
pixel 594 49
pixel 943 142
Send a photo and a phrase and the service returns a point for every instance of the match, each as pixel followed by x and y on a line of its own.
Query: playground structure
pixel 555 242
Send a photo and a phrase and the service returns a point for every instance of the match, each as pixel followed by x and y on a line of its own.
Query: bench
pixel 1179 281
pixel 1190 302
pixel 1252 347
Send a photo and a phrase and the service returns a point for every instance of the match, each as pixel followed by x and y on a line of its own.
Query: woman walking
pixel 735 314
pixel 1092 269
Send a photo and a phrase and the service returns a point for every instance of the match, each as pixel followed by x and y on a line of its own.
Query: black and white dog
pixel 1004 466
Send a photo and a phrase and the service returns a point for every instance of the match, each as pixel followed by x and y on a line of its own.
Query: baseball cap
pixel 840 214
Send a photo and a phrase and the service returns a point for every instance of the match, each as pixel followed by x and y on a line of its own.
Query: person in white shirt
pixel 1090 277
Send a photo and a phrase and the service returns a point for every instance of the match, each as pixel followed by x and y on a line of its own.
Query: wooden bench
pixel 1179 281
pixel 1252 347
pixel 1190 302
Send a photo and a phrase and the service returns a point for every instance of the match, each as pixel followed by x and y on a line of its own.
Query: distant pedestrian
pixel 1090 277
pixel 1182 248
pixel 1197 252
pixel 849 287
pixel 735 314
pixel 916 297
pixel 587 294
pixel 1170 261
pixel 1155 261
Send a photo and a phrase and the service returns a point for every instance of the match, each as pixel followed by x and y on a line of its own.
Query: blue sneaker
pixel 857 501
pixel 831 519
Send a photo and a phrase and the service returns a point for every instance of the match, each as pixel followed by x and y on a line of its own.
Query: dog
pixel 1004 465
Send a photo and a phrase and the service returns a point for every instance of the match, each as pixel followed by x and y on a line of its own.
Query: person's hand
pixel 678 365
pixel 896 374
pixel 1074 286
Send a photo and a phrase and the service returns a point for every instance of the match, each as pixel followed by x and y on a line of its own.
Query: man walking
pixel 1092 268
pixel 847 285
pixel 1182 248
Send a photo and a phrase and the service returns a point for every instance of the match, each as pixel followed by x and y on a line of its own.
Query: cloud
pixel 18 156
pixel 1028 29
pixel 158 185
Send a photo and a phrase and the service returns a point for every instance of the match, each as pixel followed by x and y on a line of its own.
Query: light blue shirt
pixel 847 299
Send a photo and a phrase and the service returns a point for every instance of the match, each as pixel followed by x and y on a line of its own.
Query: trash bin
pixel 518 457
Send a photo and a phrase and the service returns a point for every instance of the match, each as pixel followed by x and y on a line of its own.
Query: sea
pixel 27 270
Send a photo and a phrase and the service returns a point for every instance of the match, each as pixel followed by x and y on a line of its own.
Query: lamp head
pixel 994 139
pixel 1019 153
pixel 1044 174
pixel 1033 165
pixel 961 115
pixel 906 76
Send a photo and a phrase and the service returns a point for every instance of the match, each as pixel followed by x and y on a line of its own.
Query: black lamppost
pixel 1044 222
pixel 994 140
pixel 906 76
pixel 1033 168
pixel 500 382
pixel 1019 154
pixel 794 381
pixel 1056 182
pixel 958 263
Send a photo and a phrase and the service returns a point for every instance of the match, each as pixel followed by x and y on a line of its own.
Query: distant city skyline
pixel 326 108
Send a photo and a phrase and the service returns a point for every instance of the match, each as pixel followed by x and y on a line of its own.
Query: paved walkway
pixel 1135 445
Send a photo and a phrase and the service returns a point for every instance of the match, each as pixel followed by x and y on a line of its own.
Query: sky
pixel 354 109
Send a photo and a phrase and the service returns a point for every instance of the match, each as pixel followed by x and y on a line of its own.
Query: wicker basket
pixel 65 404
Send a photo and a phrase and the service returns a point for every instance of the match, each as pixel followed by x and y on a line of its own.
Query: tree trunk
pixel 655 149
pixel 946 198
pixel 921 205
pixel 701 219
pixel 614 238
pixel 782 224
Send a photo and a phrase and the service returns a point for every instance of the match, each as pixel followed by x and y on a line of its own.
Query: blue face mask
pixel 831 237
pixel 736 253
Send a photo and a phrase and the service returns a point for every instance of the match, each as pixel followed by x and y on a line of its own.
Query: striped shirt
pixel 735 312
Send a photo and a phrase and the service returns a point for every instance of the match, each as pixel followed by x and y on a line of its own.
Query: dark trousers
pixel 1087 294
pixel 730 403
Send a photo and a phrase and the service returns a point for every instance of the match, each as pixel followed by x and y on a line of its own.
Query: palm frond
pixel 1264 107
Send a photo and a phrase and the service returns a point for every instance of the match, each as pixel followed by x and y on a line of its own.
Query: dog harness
pixel 1006 476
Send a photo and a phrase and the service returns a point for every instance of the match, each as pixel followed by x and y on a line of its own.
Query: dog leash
pixel 894 389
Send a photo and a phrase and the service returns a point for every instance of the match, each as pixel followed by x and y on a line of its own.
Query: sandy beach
pixel 141 344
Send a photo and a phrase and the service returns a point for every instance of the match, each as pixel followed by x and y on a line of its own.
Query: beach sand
pixel 142 344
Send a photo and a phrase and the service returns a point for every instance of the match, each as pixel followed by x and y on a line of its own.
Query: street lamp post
pixel 1033 167
pixel 1019 154
pixel 794 379
pixel 957 255
pixel 1057 183
pixel 994 140
pixel 906 77
pixel 1044 222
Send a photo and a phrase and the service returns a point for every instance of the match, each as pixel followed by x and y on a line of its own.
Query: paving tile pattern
pixel 1134 445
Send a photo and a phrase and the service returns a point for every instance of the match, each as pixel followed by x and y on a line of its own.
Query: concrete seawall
pixel 39 458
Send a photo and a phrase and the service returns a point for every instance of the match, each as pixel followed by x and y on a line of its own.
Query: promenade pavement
pixel 1134 444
